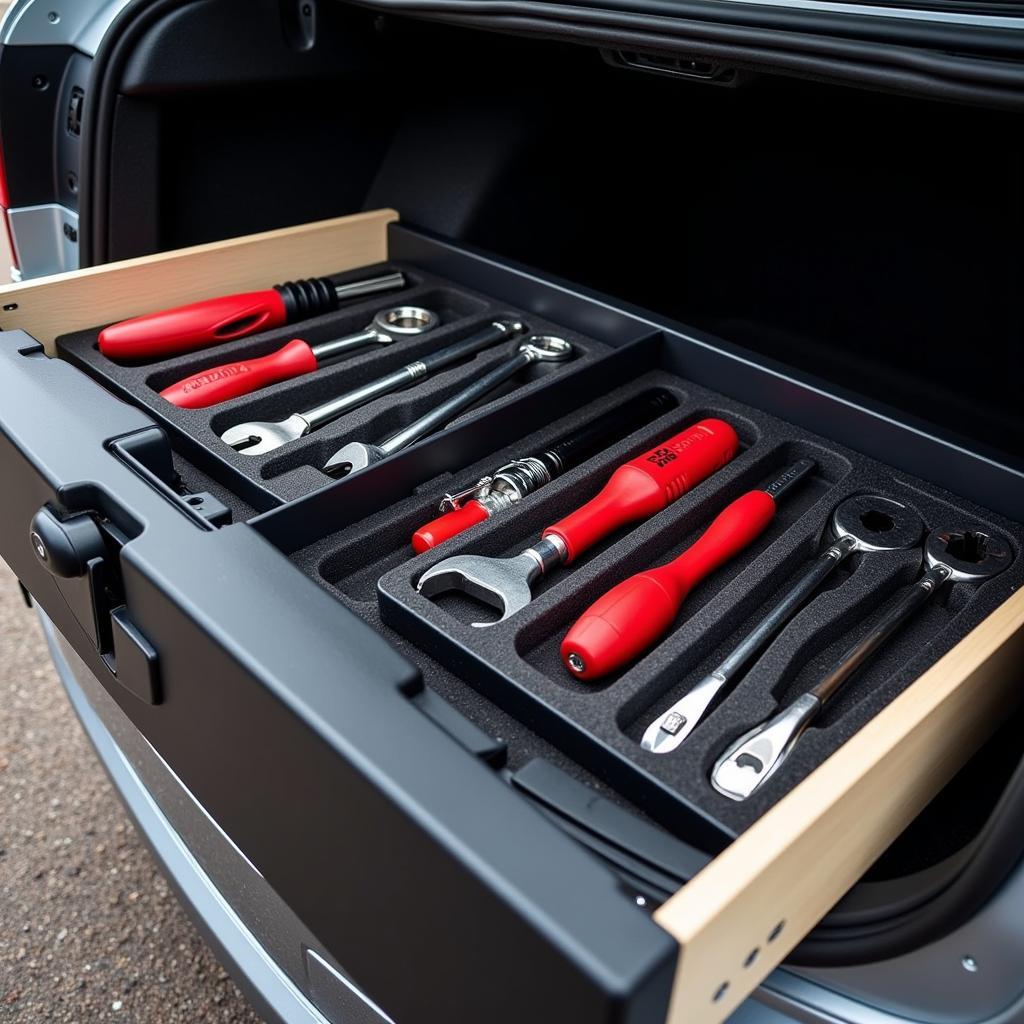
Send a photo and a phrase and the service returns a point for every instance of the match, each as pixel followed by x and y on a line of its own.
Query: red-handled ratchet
pixel 243 377
pixel 212 321
pixel 636 490
pixel 631 616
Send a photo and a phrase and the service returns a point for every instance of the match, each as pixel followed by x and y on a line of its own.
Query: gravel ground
pixel 89 929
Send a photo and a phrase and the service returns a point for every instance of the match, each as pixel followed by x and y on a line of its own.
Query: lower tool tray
pixel 516 662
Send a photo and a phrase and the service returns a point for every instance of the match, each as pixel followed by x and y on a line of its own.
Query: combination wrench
pixel 637 489
pixel 244 376
pixel 861 524
pixel 358 455
pixel 968 554
pixel 258 438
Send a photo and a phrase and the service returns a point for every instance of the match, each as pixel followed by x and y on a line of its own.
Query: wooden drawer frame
pixel 739 917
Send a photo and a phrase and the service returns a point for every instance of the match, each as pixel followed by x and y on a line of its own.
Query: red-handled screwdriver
pixel 230 380
pixel 637 489
pixel 212 321
pixel 633 615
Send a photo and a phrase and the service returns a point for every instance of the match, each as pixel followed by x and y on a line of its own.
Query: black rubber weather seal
pixel 112 56
pixel 986 864
pixel 957 63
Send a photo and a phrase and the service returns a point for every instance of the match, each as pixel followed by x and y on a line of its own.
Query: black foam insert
pixel 295 468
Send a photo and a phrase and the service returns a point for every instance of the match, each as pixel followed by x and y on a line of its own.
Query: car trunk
pixel 828 249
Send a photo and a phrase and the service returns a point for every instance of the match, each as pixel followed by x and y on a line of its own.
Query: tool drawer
pixel 475 777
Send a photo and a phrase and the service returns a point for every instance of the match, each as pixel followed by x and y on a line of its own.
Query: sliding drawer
pixel 440 889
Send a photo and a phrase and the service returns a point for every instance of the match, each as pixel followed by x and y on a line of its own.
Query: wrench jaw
pixel 669 729
pixel 500 583
pixel 258 438
pixel 353 457
pixel 759 753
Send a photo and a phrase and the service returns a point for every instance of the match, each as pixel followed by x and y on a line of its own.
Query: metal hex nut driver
pixel 964 554
pixel 863 523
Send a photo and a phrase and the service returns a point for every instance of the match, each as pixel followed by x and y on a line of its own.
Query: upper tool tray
pixel 296 468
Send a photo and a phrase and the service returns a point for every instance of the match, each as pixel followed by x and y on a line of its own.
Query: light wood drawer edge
pixel 50 306
pixel 796 862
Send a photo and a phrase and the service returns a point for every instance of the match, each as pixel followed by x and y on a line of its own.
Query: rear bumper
pixel 285 974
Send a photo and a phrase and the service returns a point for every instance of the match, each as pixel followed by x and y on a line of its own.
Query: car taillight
pixel 4 205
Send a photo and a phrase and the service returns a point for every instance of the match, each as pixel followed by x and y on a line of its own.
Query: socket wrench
pixel 964 554
pixel 863 523
pixel 231 380
pixel 258 438
pixel 357 455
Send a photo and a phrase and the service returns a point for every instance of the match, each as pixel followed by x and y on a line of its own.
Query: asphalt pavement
pixel 89 928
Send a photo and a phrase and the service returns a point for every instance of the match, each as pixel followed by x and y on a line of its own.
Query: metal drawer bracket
pixel 80 554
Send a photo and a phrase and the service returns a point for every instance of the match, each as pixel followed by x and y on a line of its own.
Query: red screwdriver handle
pixel 230 380
pixel 448 525
pixel 632 616
pixel 648 483
pixel 197 325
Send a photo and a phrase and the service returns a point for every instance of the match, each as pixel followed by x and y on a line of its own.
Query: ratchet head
pixel 876 523
pixel 971 552
pixel 353 458
pixel 757 754
pixel 258 438
pixel 501 583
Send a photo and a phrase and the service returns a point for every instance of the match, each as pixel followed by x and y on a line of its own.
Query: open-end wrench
pixel 624 622
pixel 230 380
pixel 258 438
pixel 963 554
pixel 636 490
pixel 357 455
pixel 863 523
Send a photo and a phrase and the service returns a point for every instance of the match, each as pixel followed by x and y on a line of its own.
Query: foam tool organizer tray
pixel 267 480
pixel 354 534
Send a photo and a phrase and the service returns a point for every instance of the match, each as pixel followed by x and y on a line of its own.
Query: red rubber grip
pixel 631 616
pixel 448 525
pixel 197 325
pixel 648 483
pixel 230 380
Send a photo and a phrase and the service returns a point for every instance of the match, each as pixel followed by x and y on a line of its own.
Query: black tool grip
pixel 573 448
pixel 304 299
